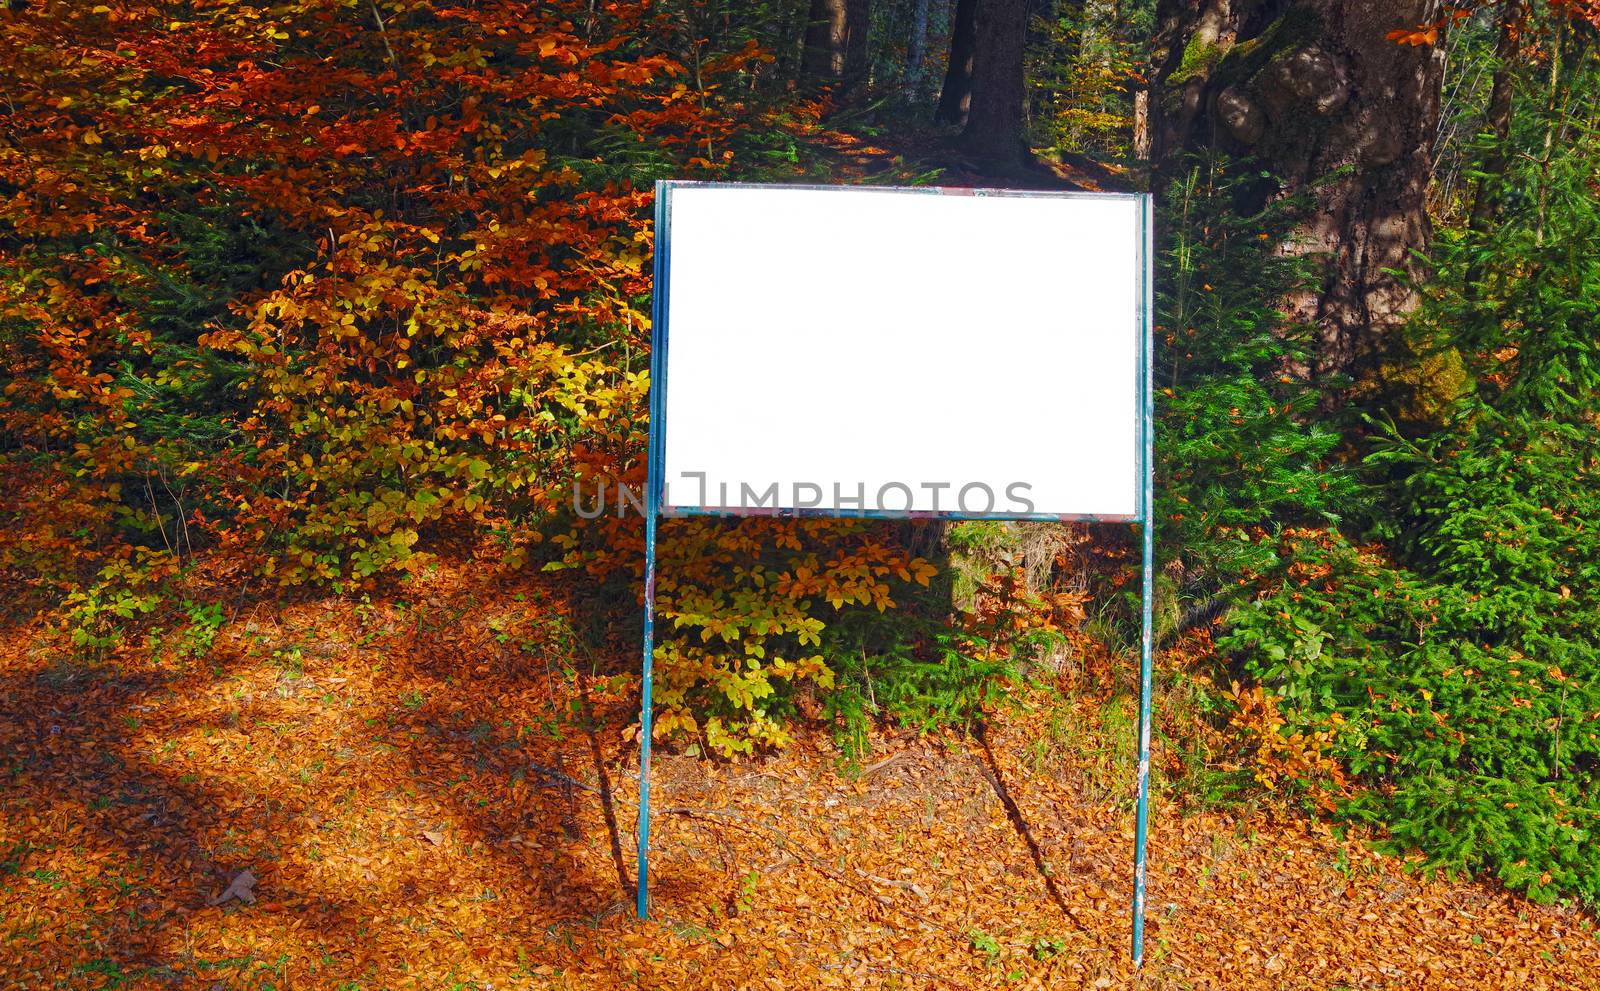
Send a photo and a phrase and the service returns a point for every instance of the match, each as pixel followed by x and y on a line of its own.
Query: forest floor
pixel 434 789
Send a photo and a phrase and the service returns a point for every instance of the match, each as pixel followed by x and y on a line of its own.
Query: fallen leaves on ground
pixel 432 790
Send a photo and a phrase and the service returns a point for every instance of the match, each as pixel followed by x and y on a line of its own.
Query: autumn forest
pixel 313 673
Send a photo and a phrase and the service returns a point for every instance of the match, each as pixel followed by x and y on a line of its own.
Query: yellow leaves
pixel 672 722
pixel 815 669
pixel 727 630
pixel 1300 758
pixel 629 260
pixel 386 352
pixel 809 632
pixel 748 624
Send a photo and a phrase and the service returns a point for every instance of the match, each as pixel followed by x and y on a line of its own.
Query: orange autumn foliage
pixel 1300 759
pixel 1577 11
pixel 305 292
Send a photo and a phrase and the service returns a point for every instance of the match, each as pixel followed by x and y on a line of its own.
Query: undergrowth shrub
pixel 1462 660
pixel 1242 460
pixel 323 324
pixel 755 604
pixel 1239 455
pixel 936 662
pixel 372 322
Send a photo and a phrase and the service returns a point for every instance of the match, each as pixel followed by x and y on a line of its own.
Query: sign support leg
pixel 1147 538
pixel 645 706
pixel 1141 827
pixel 652 512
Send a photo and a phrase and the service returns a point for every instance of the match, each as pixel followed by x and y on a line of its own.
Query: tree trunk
pixel 823 61
pixel 1317 95
pixel 836 52
pixel 1552 123
pixel 1498 118
pixel 916 49
pixel 956 97
pixel 857 50
pixel 994 128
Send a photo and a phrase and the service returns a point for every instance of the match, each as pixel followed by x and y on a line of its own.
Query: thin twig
pixel 880 765
pixel 383 35
pixel 562 780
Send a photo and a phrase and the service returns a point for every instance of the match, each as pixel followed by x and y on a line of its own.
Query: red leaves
pixel 402 176
pixel 1586 11
pixel 1426 34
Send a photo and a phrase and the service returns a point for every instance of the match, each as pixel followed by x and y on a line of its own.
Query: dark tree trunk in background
pixel 857 46
pixel 994 128
pixel 1310 88
pixel 1497 120
pixel 956 95
pixel 916 49
pixel 836 50
pixel 823 59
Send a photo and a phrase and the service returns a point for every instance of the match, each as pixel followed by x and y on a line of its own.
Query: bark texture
pixel 995 120
pixel 836 52
pixel 823 60
pixel 857 47
pixel 1498 117
pixel 916 48
pixel 1315 91
pixel 956 96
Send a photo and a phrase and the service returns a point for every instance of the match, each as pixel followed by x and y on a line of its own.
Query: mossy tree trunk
pixel 1316 95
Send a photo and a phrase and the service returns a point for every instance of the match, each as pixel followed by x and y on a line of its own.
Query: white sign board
pixel 901 351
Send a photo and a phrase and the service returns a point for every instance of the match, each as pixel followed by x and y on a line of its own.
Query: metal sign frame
pixel 654 510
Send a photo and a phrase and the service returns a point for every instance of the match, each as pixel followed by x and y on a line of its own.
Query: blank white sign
pixel 901 351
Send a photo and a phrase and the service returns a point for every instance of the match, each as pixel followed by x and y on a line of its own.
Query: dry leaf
pixel 242 887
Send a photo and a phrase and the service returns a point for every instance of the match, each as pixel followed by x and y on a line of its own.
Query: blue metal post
pixel 1147 633
pixel 1141 827
pixel 645 704
pixel 652 512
